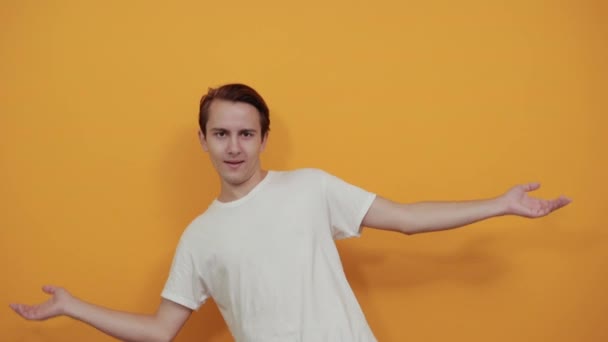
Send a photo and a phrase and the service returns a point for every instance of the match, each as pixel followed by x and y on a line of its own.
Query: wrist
pixel 71 307
pixel 499 206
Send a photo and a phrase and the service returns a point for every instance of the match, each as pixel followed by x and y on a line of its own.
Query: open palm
pixel 51 308
pixel 519 203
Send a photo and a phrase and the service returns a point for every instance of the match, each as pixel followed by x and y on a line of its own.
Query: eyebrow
pixel 247 130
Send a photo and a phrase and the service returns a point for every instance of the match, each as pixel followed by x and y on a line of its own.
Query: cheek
pixel 215 150
pixel 252 148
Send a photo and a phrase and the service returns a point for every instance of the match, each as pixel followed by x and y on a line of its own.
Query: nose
pixel 234 147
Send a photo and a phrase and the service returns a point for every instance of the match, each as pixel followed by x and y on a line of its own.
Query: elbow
pixel 410 228
pixel 161 335
pixel 162 338
pixel 167 336
pixel 407 232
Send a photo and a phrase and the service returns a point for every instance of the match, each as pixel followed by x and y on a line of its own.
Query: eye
pixel 220 134
pixel 247 134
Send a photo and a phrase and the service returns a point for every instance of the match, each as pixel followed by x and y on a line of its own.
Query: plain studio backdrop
pixel 101 169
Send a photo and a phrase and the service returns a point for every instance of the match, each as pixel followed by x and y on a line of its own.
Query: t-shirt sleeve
pixel 184 285
pixel 347 205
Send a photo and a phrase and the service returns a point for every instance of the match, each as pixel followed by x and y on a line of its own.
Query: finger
pixel 15 307
pixel 20 309
pixel 531 186
pixel 565 200
pixel 561 202
pixel 558 203
pixel 555 204
pixel 544 209
pixel 49 289
pixel 29 312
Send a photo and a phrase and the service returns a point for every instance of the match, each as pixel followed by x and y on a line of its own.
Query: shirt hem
pixel 190 304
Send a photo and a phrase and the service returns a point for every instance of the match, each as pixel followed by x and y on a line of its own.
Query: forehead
pixel 233 115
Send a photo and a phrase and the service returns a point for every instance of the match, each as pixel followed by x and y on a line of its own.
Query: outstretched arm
pixel 434 216
pixel 162 326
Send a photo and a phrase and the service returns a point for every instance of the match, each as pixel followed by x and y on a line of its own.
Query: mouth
pixel 233 164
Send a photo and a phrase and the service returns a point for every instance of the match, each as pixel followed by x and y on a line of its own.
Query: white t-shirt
pixel 270 263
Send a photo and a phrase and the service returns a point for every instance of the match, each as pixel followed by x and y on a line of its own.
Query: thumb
pixel 531 186
pixel 49 289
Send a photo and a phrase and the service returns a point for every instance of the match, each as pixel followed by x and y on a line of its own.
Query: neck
pixel 232 192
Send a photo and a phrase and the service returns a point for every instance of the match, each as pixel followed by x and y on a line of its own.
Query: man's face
pixel 233 140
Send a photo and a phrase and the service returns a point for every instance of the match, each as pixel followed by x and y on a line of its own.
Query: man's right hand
pixel 159 327
pixel 53 307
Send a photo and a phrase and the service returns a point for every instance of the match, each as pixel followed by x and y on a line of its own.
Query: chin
pixel 235 179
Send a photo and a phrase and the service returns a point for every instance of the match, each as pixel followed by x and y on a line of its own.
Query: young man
pixel 264 249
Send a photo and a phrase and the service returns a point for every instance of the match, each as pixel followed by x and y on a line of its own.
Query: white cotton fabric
pixel 270 263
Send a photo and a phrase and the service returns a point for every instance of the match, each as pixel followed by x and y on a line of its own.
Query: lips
pixel 233 164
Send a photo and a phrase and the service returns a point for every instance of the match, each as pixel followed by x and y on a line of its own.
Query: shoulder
pixel 196 228
pixel 300 181
pixel 304 176
pixel 303 173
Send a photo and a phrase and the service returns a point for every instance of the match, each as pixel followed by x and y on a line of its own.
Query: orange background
pixel 415 100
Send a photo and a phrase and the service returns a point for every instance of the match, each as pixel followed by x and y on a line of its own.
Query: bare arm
pixel 435 216
pixel 161 326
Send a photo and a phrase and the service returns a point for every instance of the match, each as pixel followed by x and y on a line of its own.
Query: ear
pixel 264 141
pixel 203 140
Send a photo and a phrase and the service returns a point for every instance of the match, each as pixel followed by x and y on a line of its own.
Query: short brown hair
pixel 234 92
